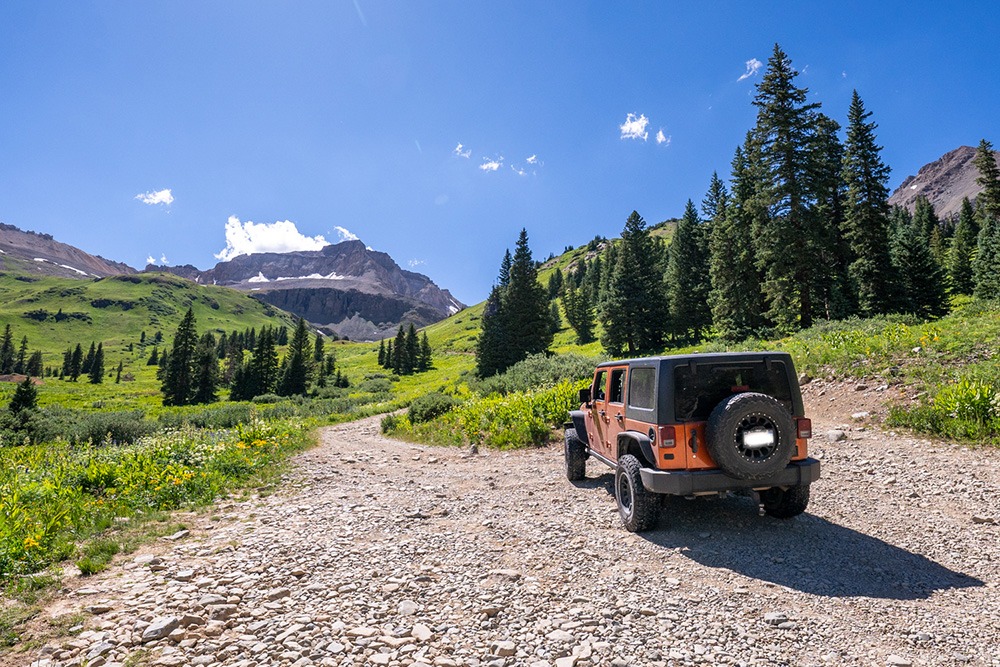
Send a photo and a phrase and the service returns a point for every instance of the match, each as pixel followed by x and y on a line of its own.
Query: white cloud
pixel 519 170
pixel 467 153
pixel 247 238
pixel 634 128
pixel 343 234
pixel 150 259
pixel 663 138
pixel 492 165
pixel 843 74
pixel 164 197
pixel 532 159
pixel 413 263
pixel 753 66
pixel 163 260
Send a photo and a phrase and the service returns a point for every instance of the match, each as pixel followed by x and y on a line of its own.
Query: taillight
pixel 805 427
pixel 667 436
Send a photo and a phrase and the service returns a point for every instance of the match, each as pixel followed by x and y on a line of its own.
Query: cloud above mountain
pixel 248 238
pixel 164 197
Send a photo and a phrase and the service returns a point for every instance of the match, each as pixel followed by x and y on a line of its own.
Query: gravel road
pixel 378 552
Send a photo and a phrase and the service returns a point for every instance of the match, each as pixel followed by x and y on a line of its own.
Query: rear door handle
pixel 619 417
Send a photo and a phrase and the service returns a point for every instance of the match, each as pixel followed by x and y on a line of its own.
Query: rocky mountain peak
pixel 945 182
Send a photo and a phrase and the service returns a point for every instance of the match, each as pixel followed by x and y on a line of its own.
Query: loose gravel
pixel 377 552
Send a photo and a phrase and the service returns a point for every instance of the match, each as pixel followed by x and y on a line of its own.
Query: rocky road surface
pixel 378 552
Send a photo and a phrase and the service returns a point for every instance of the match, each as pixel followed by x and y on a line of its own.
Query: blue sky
pixel 274 123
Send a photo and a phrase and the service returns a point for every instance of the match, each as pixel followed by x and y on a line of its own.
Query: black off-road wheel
pixel 576 456
pixel 785 503
pixel 638 508
pixel 751 436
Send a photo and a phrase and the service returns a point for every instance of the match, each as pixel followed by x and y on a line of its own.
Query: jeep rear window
pixel 617 391
pixel 697 393
pixel 642 388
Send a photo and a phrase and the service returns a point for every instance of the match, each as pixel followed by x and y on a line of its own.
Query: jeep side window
pixel 599 384
pixel 617 386
pixel 642 388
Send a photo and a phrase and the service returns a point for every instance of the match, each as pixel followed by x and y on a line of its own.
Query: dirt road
pixel 385 553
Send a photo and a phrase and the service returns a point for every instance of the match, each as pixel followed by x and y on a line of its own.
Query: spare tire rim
pixel 757 437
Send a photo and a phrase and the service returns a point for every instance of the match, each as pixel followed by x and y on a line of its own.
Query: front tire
pixel 575 454
pixel 638 508
pixel 784 504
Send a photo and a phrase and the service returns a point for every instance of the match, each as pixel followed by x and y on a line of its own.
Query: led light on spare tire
pixel 804 427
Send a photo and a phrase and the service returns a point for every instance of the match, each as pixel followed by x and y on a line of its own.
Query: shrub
pixel 394 422
pixel 430 406
pixel 969 400
pixel 536 372
pixel 118 428
pixel 266 398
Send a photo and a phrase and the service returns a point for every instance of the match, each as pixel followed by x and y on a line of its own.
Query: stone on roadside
pixel 160 628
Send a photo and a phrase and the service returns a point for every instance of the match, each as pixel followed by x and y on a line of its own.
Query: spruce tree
pixel 263 365
pixel 295 376
pixel 7 351
pixel 504 278
pixel 866 216
pixel 76 363
pixel 491 347
pixel 319 349
pixel 34 366
pixel 985 161
pixel 634 309
pixel 688 283
pixel 154 357
pixel 412 351
pixel 25 398
pixel 924 217
pixel 426 354
pixel 206 369
pixel 789 235
pixel 389 355
pixel 921 278
pixel 963 247
pixel 526 306
pixel 555 319
pixel 736 299
pixel 986 267
pixel 555 283
pixel 22 356
pixel 399 351
pixel 179 377
pixel 579 313
pixel 381 353
pixel 96 371
pixel 118 373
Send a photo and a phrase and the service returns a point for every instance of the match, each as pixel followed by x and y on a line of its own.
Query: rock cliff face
pixel 357 292
pixel 945 182
pixel 34 253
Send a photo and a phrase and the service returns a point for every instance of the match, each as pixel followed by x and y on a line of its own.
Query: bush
pixel 430 406
pixel 267 398
pixel 113 427
pixel 536 372
pixel 393 423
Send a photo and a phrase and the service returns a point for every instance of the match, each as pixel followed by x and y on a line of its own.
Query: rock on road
pixel 378 552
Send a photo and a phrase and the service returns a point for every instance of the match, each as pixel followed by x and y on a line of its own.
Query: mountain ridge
pixel 945 182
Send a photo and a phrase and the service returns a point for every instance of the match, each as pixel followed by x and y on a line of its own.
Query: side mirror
pixel 585 395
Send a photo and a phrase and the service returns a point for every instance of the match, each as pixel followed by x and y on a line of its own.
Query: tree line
pixel 802 232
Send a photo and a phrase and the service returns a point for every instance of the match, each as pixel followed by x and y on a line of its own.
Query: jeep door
pixel 597 417
pixel 615 411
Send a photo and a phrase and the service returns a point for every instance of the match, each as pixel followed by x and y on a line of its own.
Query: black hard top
pixel 700 358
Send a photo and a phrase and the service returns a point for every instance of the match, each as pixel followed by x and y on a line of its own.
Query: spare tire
pixel 751 436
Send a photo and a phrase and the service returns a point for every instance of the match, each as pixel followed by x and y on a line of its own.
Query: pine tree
pixel 555 283
pixel 88 360
pixel 262 369
pixel 389 355
pixel 118 373
pixel 579 313
pixel 96 371
pixel 634 308
pixel 516 321
pixel 491 347
pixel 25 398
pixel 319 349
pixel 426 354
pixel 688 283
pixel 34 366
pixel 297 371
pixel 789 235
pixel 963 246
pixel 866 218
pixel 922 279
pixel 76 363
pixel 381 352
pixel 735 299
pixel 989 178
pixel 179 377
pixel 412 352
pixel 154 357
pixel 399 351
pixel 555 320
pixel 924 217
pixel 986 267
pixel 206 370
pixel 7 351
pixel 22 356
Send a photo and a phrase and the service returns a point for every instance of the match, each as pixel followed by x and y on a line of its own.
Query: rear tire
pixel 638 508
pixel 784 504
pixel 575 453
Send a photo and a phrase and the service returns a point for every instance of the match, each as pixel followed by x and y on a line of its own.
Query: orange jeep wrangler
pixel 697 424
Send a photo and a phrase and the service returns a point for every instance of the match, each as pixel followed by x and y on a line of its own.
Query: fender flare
pixel 634 442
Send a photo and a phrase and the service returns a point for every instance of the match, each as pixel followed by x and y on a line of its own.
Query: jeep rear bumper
pixel 689 483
